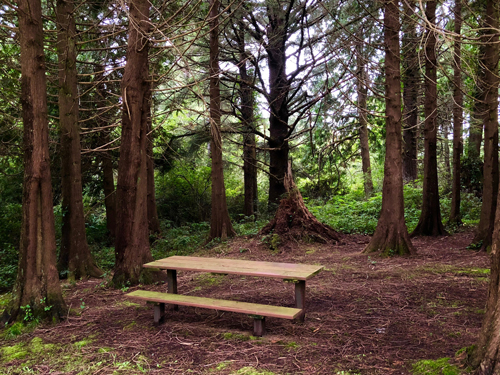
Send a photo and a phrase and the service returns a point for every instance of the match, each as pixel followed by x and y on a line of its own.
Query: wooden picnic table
pixel 297 273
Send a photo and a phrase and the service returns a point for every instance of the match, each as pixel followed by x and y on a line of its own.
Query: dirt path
pixel 365 315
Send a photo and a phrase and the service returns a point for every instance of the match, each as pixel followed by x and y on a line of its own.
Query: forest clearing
pixel 357 136
pixel 365 315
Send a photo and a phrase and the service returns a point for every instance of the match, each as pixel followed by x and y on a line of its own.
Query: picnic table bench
pixel 297 273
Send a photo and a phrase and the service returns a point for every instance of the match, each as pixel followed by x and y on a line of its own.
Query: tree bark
pixel 153 221
pixel 391 236
pixel 249 149
pixel 487 354
pixel 430 223
pixel 458 102
pixel 132 234
pixel 490 119
pixel 75 256
pixel 363 127
pixel 411 77
pixel 37 283
pixel 220 222
pixel 278 103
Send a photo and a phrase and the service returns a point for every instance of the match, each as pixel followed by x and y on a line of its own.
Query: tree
pixel 132 232
pixel 248 120
pixel 363 127
pixel 489 61
pixel 75 254
pixel 37 284
pixel 220 222
pixel 391 236
pixel 430 223
pixel 458 146
pixel 411 77
pixel 486 356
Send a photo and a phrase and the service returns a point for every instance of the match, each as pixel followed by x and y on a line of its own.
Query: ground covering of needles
pixel 365 315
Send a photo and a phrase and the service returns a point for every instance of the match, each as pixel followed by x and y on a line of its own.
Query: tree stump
pixel 293 221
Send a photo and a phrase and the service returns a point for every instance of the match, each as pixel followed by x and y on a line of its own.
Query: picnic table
pixel 297 273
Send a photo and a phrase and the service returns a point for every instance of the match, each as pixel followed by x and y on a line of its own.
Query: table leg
pixel 172 285
pixel 159 313
pixel 300 297
pixel 259 326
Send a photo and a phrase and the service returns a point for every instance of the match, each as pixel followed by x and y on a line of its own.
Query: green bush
pixel 352 213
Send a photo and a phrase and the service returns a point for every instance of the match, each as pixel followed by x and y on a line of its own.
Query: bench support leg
pixel 172 285
pixel 159 313
pixel 259 326
pixel 300 297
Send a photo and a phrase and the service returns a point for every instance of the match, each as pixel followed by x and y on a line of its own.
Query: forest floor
pixel 365 315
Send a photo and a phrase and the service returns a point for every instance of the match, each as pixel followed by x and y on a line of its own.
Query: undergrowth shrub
pixel 352 213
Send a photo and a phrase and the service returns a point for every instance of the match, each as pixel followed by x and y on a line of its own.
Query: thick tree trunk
pixel 220 222
pixel 249 149
pixel 106 158
pixel 411 76
pixel 391 236
pixel 363 127
pixel 278 104
pixel 458 100
pixel 37 283
pixel 75 254
pixel 132 234
pixel 430 223
pixel 490 119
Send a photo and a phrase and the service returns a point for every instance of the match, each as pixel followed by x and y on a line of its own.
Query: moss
pixel 82 343
pixel 127 304
pixel 209 279
pixel 439 366
pixel 18 351
pixel 251 371
pixel 130 326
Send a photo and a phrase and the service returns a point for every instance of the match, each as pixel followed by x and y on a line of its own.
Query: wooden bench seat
pixel 258 311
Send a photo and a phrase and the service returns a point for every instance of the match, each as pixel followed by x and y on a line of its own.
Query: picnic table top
pixel 238 267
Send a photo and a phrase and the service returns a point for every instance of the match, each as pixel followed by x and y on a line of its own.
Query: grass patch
pixel 251 371
pixel 439 366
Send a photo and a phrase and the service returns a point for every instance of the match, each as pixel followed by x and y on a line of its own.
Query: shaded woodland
pixel 132 131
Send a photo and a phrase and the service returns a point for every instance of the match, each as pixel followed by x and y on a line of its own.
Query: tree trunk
pixel 490 119
pixel 75 254
pixel 458 100
pixel 220 222
pixel 478 109
pixel 153 221
pixel 106 157
pixel 248 123
pixel 37 283
pixel 363 128
pixel 391 236
pixel 430 223
pixel 487 354
pixel 411 74
pixel 278 104
pixel 132 234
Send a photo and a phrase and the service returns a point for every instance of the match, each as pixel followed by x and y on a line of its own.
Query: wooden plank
pixel 217 304
pixel 238 267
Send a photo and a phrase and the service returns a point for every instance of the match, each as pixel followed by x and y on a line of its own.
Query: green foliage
pixel 439 366
pixel 352 213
